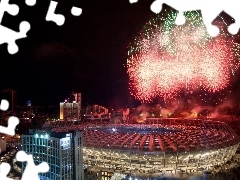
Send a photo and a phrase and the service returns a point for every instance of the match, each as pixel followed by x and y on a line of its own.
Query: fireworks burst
pixel 164 58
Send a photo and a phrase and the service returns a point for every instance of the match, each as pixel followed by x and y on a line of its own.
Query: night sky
pixel 86 54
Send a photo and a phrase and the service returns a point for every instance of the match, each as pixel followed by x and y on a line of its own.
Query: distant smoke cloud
pixel 52 49
pixel 228 102
pixel 142 108
pixel 175 105
pixel 144 111
pixel 164 113
pixel 197 109
pixel 215 114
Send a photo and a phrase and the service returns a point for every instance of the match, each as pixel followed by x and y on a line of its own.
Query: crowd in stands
pixel 192 134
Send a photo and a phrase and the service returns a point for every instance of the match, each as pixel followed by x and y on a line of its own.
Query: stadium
pixel 160 145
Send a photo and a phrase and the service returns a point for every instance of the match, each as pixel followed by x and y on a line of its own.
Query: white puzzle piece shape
pixel 4 105
pixel 31 171
pixel 59 19
pixel 8 35
pixel 4 170
pixel 210 10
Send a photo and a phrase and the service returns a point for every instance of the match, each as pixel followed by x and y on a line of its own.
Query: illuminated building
pixel 61 150
pixel 11 96
pixel 99 110
pixel 121 115
pixel 71 107
pixel 160 144
pixel 94 111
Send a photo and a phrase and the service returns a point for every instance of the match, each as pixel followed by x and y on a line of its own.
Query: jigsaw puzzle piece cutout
pixel 4 105
pixel 9 36
pixel 12 123
pixel 76 11
pixel 21 156
pixel 210 10
pixel 156 6
pixel 234 27
pixel 208 13
pixel 31 171
pixel 180 20
pixel 4 170
pixel 59 19
pixel 133 1
pixel 30 2
pixel 12 9
pixel 232 8
pixel 208 16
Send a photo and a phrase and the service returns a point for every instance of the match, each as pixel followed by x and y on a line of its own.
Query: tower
pixel 29 108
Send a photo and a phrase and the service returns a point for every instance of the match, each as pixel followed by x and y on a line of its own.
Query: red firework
pixel 153 71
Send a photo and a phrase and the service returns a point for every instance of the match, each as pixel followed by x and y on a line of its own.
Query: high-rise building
pixel 11 96
pixel 29 110
pixel 61 150
pixel 71 107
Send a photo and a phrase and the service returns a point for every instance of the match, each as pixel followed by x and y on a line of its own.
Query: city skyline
pixel 86 54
